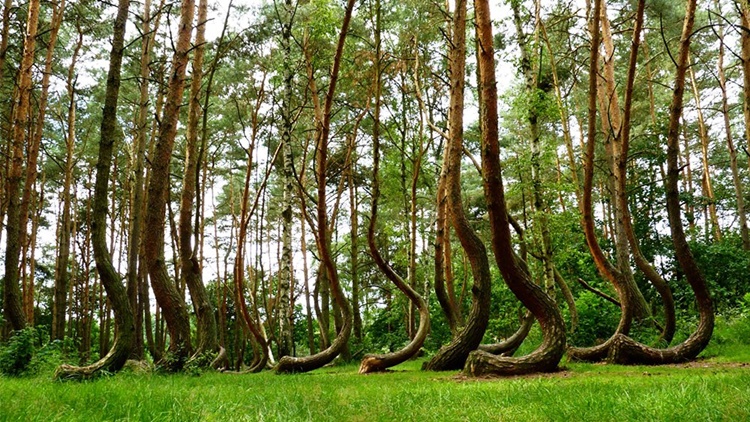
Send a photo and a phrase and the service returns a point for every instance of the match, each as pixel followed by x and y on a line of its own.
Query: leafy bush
pixel 725 266
pixel 16 356
pixel 597 320
pixel 48 357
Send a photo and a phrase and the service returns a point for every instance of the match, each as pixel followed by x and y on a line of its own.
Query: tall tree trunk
pixel 303 364
pixel 308 310
pixel 602 263
pixel 707 185
pixel 140 142
pixel 624 349
pixel 21 117
pixel 547 356
pixel 62 275
pixel 354 239
pixel 32 154
pixel 453 356
pixel 736 179
pixel 116 293
pixel 372 362
pixel 167 295
pixel 612 123
pixel 648 270
pixel 286 276
pixel 745 41
pixel 191 267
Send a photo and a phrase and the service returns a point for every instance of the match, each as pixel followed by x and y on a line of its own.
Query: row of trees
pixel 588 167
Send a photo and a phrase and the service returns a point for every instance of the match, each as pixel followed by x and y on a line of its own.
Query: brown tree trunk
pixel 380 362
pixel 707 185
pixel 736 179
pixel 191 267
pixel 134 273
pixel 125 332
pixel 624 349
pixel 648 270
pixel 308 310
pixel 453 356
pixel 167 295
pixel 603 265
pixel 547 356
pixel 62 275
pixel 32 156
pixel 21 116
pixel 289 364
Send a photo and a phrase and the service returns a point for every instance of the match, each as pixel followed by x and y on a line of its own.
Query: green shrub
pixel 16 356
pixel 597 320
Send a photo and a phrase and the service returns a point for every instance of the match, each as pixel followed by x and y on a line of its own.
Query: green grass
pixel 706 391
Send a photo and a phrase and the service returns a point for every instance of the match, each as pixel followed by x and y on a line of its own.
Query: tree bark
pixel 624 349
pixel 453 356
pixel 125 331
pixel 646 268
pixel 137 187
pixel 547 356
pixel 289 364
pixel 11 293
pixel 189 261
pixel 286 276
pixel 380 362
pixel 167 295
pixel 62 275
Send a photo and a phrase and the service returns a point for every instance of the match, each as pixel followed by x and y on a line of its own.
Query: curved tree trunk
pixel 624 349
pixel 641 262
pixel 290 364
pixel 508 346
pixel 371 362
pixel 547 356
pixel 110 279
pixel 442 229
pixel 603 265
pixel 191 267
pixel 167 295
pixel 453 356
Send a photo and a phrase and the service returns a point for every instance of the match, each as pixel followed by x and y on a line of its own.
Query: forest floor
pixel 714 388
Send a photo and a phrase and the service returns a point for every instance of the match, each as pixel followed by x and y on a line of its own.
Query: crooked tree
pixel 110 279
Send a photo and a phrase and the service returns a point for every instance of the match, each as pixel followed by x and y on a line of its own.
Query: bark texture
pixel 380 362
pixel 453 356
pixel 168 297
pixel 290 364
pixel 624 349
pixel 12 306
pixel 189 261
pixel 547 356
pixel 122 345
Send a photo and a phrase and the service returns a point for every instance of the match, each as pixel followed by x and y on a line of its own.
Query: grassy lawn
pixel 710 389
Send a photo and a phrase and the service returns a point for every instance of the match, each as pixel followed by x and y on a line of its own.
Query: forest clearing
pixel 375 209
